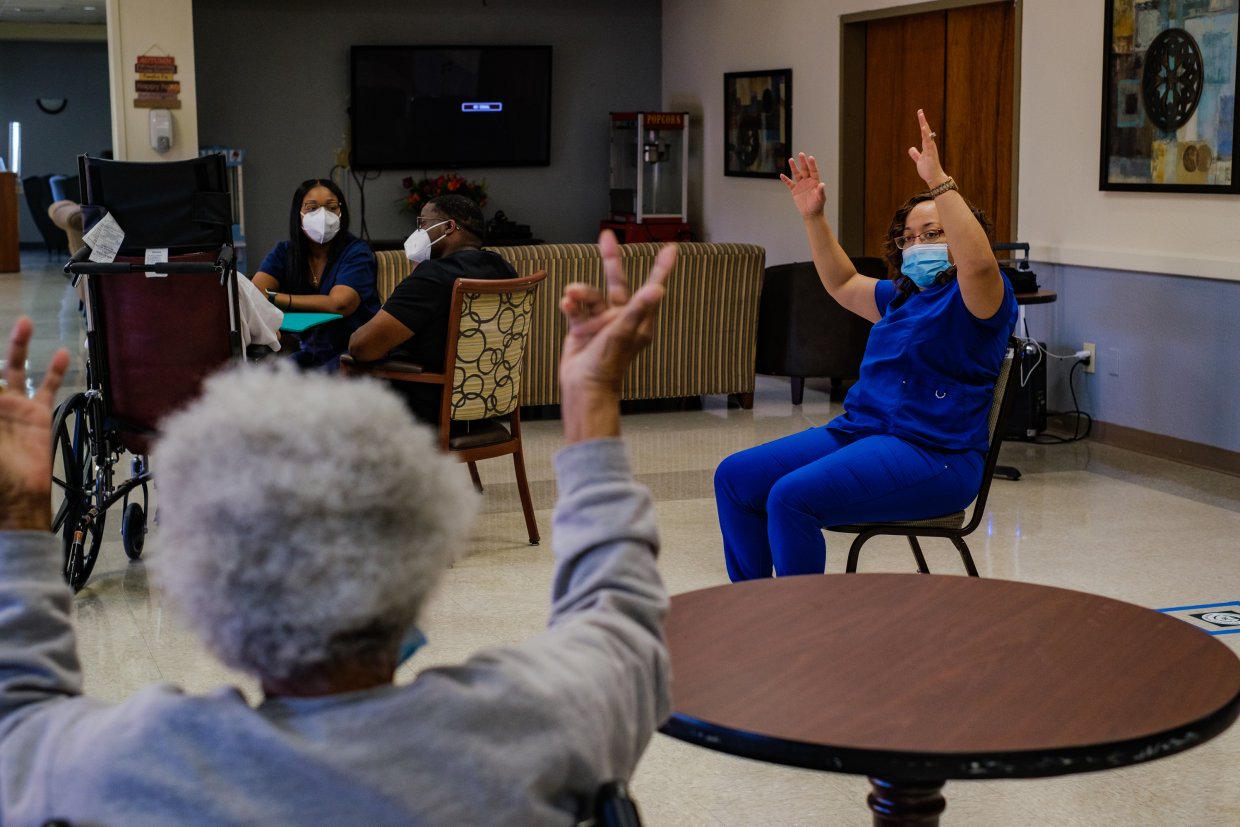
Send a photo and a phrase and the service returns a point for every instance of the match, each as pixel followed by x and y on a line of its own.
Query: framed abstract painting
pixel 757 109
pixel 1169 96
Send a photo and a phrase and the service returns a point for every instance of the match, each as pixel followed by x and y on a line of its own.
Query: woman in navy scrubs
pixel 321 268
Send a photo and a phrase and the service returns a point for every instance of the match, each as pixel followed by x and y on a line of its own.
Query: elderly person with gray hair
pixel 303 523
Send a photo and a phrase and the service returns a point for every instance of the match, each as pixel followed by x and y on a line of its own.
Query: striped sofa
pixel 706 336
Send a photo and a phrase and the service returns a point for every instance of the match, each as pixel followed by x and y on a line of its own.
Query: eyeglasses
pixel 426 222
pixel 903 242
pixel 311 206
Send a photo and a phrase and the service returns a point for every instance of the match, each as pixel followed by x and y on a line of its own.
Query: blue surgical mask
pixel 923 262
pixel 414 640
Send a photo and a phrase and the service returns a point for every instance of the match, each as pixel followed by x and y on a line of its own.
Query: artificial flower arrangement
pixel 418 193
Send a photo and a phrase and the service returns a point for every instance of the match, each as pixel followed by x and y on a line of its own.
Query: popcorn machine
pixel 649 184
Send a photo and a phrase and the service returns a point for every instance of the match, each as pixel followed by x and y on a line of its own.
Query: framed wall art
pixel 1169 96
pixel 757 109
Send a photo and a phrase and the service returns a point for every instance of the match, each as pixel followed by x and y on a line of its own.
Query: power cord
pixel 1082 358
pixel 1077 435
pixel 362 230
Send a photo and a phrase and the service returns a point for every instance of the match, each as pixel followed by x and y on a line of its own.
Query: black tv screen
pixel 450 106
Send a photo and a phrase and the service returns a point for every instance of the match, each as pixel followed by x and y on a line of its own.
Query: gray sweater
pixel 515 735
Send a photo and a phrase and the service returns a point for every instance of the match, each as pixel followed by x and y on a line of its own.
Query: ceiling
pixel 53 11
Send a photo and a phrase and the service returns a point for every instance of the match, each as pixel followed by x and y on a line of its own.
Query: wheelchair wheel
pixel 82 547
pixel 133 530
pixel 69 456
pixel 80 482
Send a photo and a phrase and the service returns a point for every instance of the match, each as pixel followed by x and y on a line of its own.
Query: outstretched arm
pixel 603 656
pixel 852 290
pixel 977 272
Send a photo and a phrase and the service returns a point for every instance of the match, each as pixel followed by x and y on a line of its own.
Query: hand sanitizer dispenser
pixel 161 130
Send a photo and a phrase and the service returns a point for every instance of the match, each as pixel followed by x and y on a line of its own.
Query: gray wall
pixel 1166 350
pixel 51 143
pixel 273 78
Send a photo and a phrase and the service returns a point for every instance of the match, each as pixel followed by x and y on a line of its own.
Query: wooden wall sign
pixel 157 86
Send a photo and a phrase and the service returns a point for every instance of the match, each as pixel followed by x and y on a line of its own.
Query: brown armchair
pixel 803 332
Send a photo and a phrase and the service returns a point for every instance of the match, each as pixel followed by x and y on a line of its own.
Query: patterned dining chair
pixel 488 335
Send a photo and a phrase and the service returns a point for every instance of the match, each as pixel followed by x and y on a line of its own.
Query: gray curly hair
pixel 303 519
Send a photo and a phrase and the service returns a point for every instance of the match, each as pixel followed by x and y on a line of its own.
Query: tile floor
pixel 1084 516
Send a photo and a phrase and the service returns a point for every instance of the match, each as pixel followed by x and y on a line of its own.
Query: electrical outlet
pixel 1092 364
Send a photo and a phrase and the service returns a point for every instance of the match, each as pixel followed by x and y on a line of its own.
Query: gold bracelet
pixel 949 184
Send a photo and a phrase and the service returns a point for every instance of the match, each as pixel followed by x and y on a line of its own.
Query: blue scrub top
pixel 929 369
pixel 354 268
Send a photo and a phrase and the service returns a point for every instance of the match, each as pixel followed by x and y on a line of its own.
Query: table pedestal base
pixel 906 804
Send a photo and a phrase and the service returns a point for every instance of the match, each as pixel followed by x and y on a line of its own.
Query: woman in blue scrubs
pixel 912 439
pixel 321 268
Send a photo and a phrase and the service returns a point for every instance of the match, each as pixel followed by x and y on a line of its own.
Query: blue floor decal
pixel 1212 618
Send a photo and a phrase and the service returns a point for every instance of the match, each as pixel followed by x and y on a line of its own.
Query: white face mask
pixel 418 244
pixel 321 225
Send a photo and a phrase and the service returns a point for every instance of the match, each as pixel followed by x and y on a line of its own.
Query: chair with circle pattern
pixel 488 335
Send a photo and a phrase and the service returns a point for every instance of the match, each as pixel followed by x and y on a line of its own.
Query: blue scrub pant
pixel 775 499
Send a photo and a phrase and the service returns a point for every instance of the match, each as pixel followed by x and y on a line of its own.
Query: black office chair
pixel 614 808
pixel 803 332
pixel 951 526
pixel 38 198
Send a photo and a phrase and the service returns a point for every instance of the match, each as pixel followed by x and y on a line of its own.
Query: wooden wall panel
pixel 10 251
pixel 905 71
pixel 958 66
pixel 976 135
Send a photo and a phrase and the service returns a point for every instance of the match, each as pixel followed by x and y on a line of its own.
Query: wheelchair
pixel 154 330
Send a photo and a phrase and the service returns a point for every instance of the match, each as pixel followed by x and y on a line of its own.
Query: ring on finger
pixel 933 134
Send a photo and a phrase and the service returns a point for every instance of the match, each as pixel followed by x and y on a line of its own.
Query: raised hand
pixel 26 436
pixel 927 158
pixel 808 192
pixel 604 334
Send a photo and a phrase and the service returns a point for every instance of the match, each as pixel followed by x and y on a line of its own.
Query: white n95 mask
pixel 321 225
pixel 418 244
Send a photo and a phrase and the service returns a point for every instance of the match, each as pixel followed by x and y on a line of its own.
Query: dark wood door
pixel 958 66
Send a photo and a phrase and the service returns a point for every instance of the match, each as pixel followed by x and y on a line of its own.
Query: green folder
pixel 301 322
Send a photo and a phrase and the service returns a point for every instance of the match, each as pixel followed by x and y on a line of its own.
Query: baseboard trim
pixel 1155 445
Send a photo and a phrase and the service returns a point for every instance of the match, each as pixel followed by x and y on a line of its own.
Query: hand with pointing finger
pixel 604 334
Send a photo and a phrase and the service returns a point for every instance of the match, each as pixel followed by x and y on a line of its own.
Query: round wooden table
pixel 913 679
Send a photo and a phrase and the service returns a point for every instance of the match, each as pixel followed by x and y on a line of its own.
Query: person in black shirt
pixel 413 323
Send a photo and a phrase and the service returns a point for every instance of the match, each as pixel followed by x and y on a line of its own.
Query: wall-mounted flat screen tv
pixel 450 106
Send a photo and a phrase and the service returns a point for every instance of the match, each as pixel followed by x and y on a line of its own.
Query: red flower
pixel 423 190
